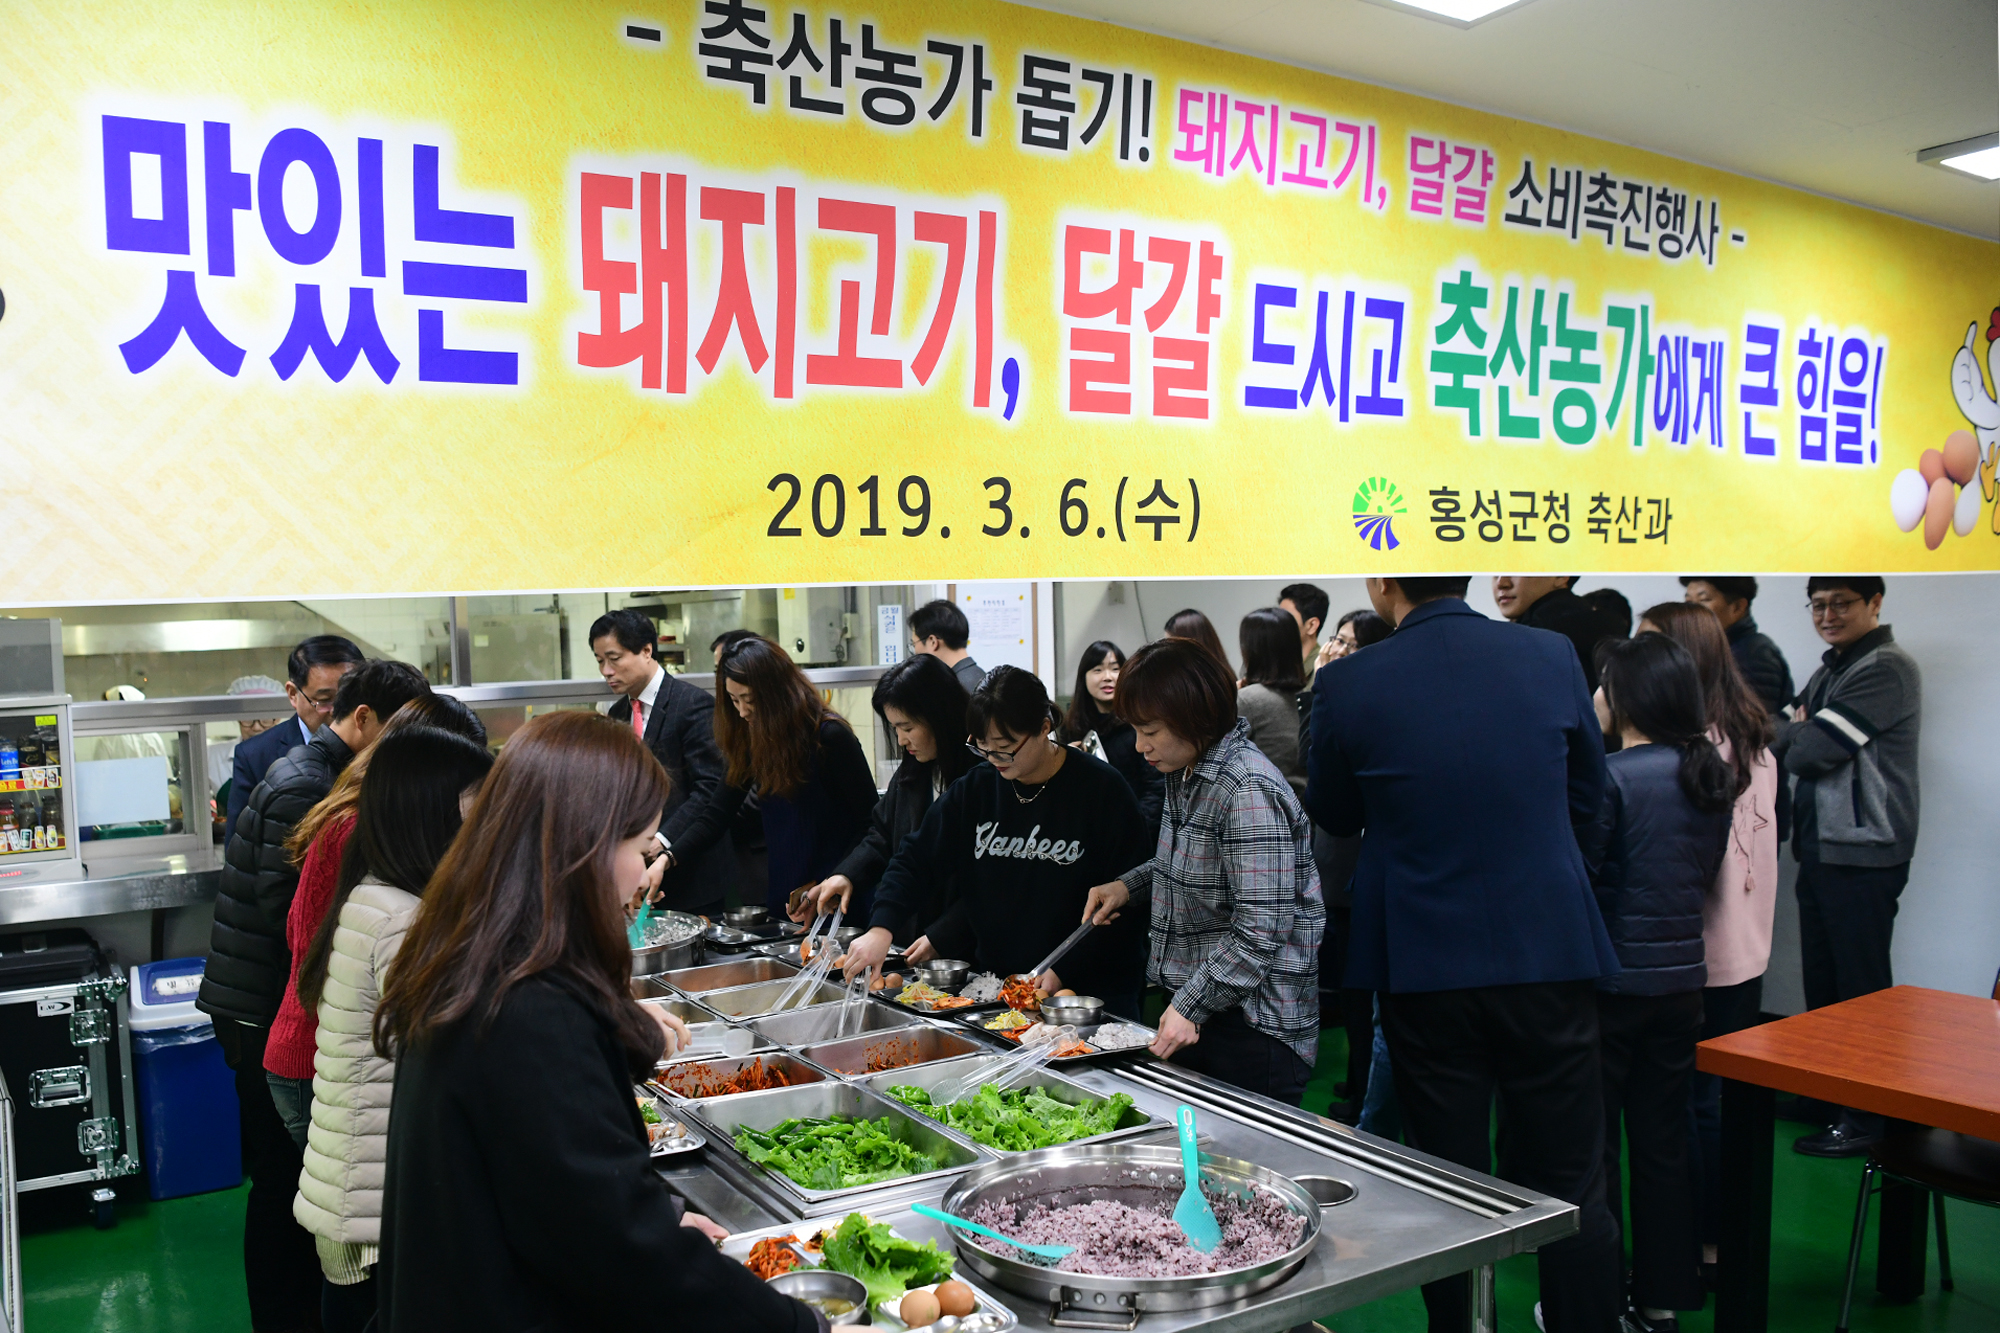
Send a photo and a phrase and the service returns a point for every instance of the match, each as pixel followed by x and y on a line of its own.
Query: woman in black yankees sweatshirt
pixel 1028 833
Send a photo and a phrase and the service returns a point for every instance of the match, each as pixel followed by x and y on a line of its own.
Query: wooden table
pixel 1931 1057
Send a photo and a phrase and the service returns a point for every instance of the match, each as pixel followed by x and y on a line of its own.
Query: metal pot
pixel 652 959
pixel 818 1284
pixel 1082 1010
pixel 1126 1173
pixel 946 974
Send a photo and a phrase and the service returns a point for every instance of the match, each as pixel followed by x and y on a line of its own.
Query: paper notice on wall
pixel 889 634
pixel 1002 619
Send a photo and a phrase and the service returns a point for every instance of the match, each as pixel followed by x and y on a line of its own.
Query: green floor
pixel 175 1267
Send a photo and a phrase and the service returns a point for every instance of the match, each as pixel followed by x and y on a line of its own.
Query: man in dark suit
pixel 314 672
pixel 1468 751
pixel 696 862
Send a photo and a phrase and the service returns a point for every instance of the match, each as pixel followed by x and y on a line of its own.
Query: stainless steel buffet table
pixel 1413 1219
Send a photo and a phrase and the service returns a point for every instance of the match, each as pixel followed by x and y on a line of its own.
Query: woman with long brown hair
pixel 518 1191
pixel 815 784
pixel 1737 915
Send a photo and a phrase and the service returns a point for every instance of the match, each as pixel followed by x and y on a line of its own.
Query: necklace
pixel 1015 787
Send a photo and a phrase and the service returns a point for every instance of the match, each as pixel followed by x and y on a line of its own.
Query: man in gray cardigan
pixel 1852 745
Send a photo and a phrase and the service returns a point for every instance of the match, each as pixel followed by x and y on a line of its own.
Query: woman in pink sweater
pixel 1736 917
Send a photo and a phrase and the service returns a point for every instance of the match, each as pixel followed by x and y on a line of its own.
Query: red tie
pixel 638 720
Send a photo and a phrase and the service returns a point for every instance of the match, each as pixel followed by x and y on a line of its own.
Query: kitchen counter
pixel 105 895
pixel 1413 1219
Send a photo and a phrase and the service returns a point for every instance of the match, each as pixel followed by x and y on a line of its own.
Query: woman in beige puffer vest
pixel 421 774
pixel 340 1190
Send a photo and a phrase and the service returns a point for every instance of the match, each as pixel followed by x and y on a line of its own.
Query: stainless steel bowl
pixel 819 1284
pixel 650 960
pixel 841 938
pixel 945 973
pixel 742 918
pixel 1081 1010
pixel 1126 1173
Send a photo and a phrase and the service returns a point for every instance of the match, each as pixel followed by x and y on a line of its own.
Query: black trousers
pixel 1724 1009
pixel 1535 1048
pixel 1648 1056
pixel 280 1262
pixel 1846 917
pixel 1238 1054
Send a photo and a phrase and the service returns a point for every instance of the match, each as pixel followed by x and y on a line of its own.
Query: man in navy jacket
pixel 1468 750
pixel 314 672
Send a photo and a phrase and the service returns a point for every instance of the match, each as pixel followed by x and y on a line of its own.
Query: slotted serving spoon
pixel 1192 1214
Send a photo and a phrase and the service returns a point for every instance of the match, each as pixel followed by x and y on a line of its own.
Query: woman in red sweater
pixel 317 844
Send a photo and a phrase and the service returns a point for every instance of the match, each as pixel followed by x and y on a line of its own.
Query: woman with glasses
pixel 1027 833
pixel 921 701
pixel 1092 727
pixel 815 784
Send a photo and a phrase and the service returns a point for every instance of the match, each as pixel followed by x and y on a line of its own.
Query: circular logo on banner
pixel 1376 505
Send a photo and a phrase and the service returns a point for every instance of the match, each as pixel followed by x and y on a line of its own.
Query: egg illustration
pixel 1932 466
pixel 1908 494
pixel 1937 512
pixel 1965 514
pixel 1961 457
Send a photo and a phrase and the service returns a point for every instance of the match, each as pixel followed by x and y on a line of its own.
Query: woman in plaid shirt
pixel 1236 907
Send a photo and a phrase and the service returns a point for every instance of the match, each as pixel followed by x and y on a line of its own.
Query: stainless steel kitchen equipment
pixel 897 1048
pixel 721 976
pixel 931 1077
pixel 804 1027
pixel 761 999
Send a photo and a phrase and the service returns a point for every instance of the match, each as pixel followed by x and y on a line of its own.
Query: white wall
pixel 1948 932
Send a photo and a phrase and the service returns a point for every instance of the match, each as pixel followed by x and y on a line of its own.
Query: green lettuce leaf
pixel 887 1264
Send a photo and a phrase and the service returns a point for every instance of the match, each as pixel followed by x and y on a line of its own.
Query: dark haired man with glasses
pixel 1852 744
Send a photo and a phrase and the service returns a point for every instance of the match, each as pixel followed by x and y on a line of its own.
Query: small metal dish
pixel 947 974
pixel 813 1285
pixel 1080 1010
pixel 742 918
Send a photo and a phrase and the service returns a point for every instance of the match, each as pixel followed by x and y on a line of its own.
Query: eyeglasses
pixel 324 705
pixel 1837 607
pixel 992 756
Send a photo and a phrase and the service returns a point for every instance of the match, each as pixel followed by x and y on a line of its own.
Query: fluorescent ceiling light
pixel 1978 157
pixel 1461 13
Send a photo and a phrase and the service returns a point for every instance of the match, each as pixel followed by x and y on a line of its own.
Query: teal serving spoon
pixel 1049 1252
pixel 1192 1214
pixel 636 932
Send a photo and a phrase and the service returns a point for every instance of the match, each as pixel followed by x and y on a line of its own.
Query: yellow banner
pixel 454 296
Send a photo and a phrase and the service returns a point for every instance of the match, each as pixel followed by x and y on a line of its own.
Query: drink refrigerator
pixel 38 841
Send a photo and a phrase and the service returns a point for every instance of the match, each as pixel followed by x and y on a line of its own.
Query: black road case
pixel 68 1060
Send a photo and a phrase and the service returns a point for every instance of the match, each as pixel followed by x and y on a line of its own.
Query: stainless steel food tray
pixel 1083 1173
pixel 705 1026
pixel 974 1020
pixel 803 1027
pixel 757 1001
pixel 737 1247
pixel 685 1144
pixel 931 1077
pixel 722 1116
pixel 920 1042
pixel 746 971
pixel 671 1078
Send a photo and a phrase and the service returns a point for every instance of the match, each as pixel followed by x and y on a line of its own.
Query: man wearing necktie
pixel 695 862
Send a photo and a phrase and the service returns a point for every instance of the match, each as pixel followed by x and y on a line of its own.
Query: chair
pixel 1937 1160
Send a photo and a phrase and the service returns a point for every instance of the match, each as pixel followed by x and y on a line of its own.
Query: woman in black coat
pixel 921 700
pixel 1092 727
pixel 519 1194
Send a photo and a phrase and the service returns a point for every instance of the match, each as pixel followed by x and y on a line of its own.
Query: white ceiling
pixel 1834 96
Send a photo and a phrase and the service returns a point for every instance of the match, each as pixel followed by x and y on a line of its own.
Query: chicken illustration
pixel 1978 405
